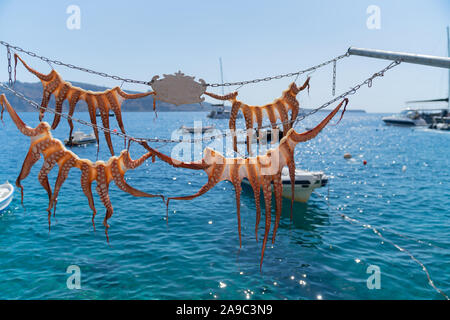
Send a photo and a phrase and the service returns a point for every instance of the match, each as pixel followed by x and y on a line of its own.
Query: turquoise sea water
pixel 196 255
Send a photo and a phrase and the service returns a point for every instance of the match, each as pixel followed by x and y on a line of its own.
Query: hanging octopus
pixel 54 153
pixel 279 109
pixel 261 171
pixel 105 101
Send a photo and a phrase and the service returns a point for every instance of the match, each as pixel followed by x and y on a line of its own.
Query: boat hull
pixel 78 143
pixel 404 122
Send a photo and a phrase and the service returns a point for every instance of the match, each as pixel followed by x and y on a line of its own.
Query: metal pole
pixel 434 61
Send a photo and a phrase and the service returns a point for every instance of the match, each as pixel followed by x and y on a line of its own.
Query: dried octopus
pixel 105 101
pixel 261 171
pixel 55 153
pixel 282 105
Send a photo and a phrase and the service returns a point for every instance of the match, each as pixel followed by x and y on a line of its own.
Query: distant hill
pixel 34 91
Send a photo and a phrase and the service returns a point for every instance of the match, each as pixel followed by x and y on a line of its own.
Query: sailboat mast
pixel 221 71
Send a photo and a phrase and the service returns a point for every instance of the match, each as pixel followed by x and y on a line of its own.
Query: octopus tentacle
pixel 102 190
pixel 115 107
pixel 194 165
pixel 249 125
pixel 47 166
pixel 295 89
pixel 271 115
pixel 41 76
pixel 280 107
pixel 213 179
pixel 259 120
pixel 23 128
pixel 67 162
pixel 31 158
pixel 104 115
pixel 74 97
pixel 133 164
pixel 235 107
pixel 118 172
pixel 256 186
pixel 88 174
pixel 59 104
pixel 310 134
pixel 229 96
pixel 288 154
pixel 278 191
pixel 49 89
pixel 92 107
pixel 133 95
pixel 234 177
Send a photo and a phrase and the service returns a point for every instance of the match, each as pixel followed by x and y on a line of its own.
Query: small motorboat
pixel 221 113
pixel 195 130
pixel 6 195
pixel 305 183
pixel 98 114
pixel 406 118
pixel 80 138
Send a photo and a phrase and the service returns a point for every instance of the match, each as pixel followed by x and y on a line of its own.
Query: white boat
pixel 436 118
pixel 408 117
pixel 6 195
pixel 98 114
pixel 80 138
pixel 221 112
pixel 305 183
pixel 194 129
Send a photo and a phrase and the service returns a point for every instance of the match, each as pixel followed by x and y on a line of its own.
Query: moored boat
pixel 6 195
pixel 80 138
pixel 305 183
pixel 195 130
pixel 221 112
pixel 407 118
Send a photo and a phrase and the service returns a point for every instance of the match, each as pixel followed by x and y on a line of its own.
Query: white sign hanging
pixel 178 89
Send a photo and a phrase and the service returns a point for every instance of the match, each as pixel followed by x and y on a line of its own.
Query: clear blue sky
pixel 139 39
